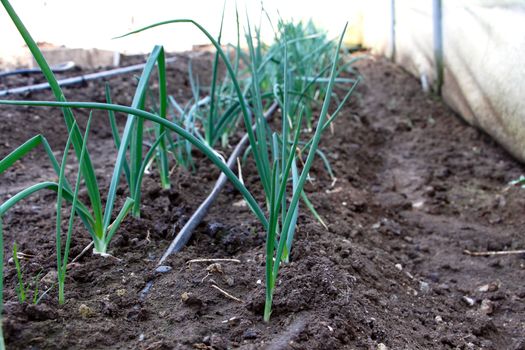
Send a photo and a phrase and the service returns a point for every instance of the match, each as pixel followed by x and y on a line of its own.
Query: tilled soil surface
pixel 415 188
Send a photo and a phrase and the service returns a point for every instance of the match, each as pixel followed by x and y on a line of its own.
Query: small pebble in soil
pixel 218 342
pixel 232 321
pixel 85 311
pixel 250 333
pixel 215 268
pixel 121 292
pixel 399 267
pixel 152 256
pixel 489 287
pixel 412 291
pixel 418 204
pixel 214 228
pixel 434 277
pixel 49 279
pixel 109 309
pixel 163 269
pixel 424 287
pixel 240 204
pixel 381 346
pixel 444 286
pixel 487 307
pixel 230 281
pixel 468 300
pixel 438 319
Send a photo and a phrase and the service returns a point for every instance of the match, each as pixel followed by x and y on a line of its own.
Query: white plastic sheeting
pixel 483 57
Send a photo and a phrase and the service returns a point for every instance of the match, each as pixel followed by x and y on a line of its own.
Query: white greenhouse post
pixel 393 30
pixel 437 14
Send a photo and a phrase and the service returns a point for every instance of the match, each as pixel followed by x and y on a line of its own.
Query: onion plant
pixel 274 152
pixel 2 344
pixel 210 124
pixel 132 137
pixel 310 53
pixel 96 218
pixel 223 110
pixel 86 167
pixel 62 258
pixel 283 157
pixel 21 287
pixel 18 154
pixel 184 116
pixel 101 239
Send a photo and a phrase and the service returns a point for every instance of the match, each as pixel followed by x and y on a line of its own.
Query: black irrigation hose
pixel 185 234
pixel 79 79
pixel 59 68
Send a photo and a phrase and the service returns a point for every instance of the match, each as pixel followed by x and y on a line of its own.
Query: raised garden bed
pixel 415 188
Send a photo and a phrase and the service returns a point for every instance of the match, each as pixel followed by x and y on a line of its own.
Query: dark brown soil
pixel 415 188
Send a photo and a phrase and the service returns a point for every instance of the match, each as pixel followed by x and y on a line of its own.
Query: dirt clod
pixel 487 306
pixel 85 311
pixel 49 278
pixel 190 299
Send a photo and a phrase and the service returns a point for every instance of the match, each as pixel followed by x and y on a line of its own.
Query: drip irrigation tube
pixel 79 79
pixel 185 234
pixel 59 68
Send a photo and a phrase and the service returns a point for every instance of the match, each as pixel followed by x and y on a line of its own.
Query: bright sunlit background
pixel 92 24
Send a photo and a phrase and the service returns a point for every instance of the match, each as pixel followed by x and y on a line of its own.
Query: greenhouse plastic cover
pixel 483 45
